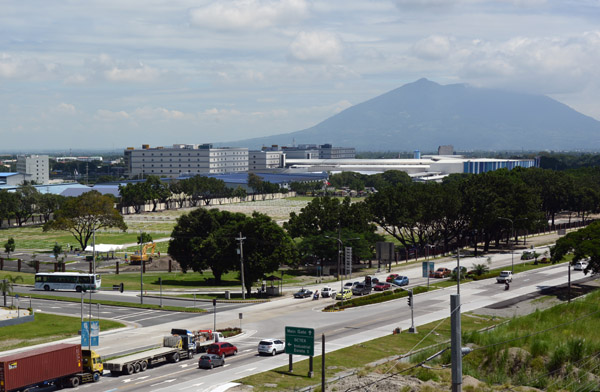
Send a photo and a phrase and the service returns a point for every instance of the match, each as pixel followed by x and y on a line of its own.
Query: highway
pixel 266 320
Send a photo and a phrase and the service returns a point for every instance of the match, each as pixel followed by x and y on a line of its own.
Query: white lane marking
pixel 184 365
pixel 246 370
pixel 163 382
pixel 191 386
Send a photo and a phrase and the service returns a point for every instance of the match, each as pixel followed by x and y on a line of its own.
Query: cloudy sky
pixel 110 74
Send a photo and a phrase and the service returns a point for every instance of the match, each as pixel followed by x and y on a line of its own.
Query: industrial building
pixel 36 166
pixel 184 159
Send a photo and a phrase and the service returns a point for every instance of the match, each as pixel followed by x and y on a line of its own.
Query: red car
pixel 381 286
pixel 441 273
pixel 391 278
pixel 222 349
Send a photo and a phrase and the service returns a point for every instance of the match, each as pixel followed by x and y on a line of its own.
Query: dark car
pixel 209 361
pixel 361 289
pixel 381 286
pixel 401 281
pixel 222 349
pixel 304 293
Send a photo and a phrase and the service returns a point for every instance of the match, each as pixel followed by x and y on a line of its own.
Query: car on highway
pixel 345 294
pixel 361 289
pixel 209 361
pixel 580 265
pixel 303 293
pixel 271 346
pixel 440 273
pixel 327 292
pixel 505 276
pixel 381 286
pixel 391 277
pixel 222 349
pixel 400 281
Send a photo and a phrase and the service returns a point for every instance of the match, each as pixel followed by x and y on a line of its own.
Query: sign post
pixel 299 341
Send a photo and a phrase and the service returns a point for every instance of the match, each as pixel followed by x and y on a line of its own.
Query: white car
pixel 271 346
pixel 327 292
pixel 505 276
pixel 580 265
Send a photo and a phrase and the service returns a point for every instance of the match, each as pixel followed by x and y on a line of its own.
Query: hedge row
pixel 374 298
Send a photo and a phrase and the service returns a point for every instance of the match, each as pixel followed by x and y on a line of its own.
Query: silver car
pixel 271 346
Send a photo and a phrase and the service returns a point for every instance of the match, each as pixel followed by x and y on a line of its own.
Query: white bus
pixel 66 281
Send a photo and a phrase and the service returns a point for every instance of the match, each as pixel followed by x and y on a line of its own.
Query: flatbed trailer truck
pixel 174 348
pixel 61 365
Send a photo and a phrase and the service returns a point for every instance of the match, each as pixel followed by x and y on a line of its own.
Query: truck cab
pixel 92 363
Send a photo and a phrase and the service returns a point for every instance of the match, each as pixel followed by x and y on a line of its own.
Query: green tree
pixel 158 191
pixel 134 195
pixel 583 243
pixel 83 215
pixel 56 250
pixel 145 238
pixel 8 205
pixel 27 203
pixel 7 285
pixel 48 203
pixel 204 239
pixel 9 247
pixel 266 247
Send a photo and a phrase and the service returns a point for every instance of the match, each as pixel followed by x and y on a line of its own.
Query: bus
pixel 67 281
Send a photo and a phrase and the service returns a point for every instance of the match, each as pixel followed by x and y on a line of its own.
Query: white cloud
pixel 162 113
pixel 248 14
pixel 317 46
pixel 66 108
pixel 19 68
pixel 108 115
pixel 139 74
pixel 434 47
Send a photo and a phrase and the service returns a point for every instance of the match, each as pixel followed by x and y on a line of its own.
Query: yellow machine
pixel 148 248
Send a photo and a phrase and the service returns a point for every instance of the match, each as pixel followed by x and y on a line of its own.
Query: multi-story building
pixel 35 165
pixel 266 159
pixel 324 151
pixel 184 159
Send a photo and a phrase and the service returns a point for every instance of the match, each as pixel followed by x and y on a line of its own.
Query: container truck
pixel 204 338
pixel 63 365
pixel 174 348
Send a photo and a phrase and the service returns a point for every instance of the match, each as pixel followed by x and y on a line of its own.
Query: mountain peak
pixel 424 115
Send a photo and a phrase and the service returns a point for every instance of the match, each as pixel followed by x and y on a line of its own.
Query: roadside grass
pixel 58 297
pixel 359 355
pixel 555 349
pixel 46 328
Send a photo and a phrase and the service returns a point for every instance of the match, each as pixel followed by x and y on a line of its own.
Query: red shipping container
pixel 39 365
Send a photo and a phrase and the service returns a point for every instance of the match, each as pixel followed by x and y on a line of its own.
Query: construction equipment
pixel 136 258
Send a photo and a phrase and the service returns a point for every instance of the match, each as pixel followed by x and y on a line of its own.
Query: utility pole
pixel 455 343
pixel 241 240
pixel 141 270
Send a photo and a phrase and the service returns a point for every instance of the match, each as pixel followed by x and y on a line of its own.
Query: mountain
pixel 424 115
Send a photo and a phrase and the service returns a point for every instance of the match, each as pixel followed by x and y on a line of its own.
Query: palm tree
pixel 7 285
pixel 480 269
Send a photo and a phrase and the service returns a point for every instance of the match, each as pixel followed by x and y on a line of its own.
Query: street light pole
pixel 241 240
pixel 141 271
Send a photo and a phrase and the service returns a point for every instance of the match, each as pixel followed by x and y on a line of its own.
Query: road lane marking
pixel 246 370
pixel 163 382
pixel 191 386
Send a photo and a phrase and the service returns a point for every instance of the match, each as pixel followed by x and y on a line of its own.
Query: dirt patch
pixel 157 264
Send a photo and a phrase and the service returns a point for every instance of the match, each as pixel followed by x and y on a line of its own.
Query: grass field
pixel 359 355
pixel 45 328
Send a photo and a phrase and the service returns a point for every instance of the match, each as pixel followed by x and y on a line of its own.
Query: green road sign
pixel 300 341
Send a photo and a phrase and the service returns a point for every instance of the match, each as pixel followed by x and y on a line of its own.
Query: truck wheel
pixel 96 377
pixel 46 287
pixel 143 366
pixel 137 367
pixel 74 382
pixel 128 369
pixel 175 358
pixel 78 289
pixel 191 354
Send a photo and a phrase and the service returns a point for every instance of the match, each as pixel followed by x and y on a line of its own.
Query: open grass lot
pixel 45 328
pixel 360 355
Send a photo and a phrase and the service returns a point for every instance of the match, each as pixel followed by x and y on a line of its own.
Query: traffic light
pixel 214 302
pixel 410 299
pixel 121 287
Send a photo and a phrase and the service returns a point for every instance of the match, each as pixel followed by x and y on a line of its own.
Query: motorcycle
pixel 316 295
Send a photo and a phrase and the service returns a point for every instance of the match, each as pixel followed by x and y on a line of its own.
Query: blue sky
pixel 112 74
